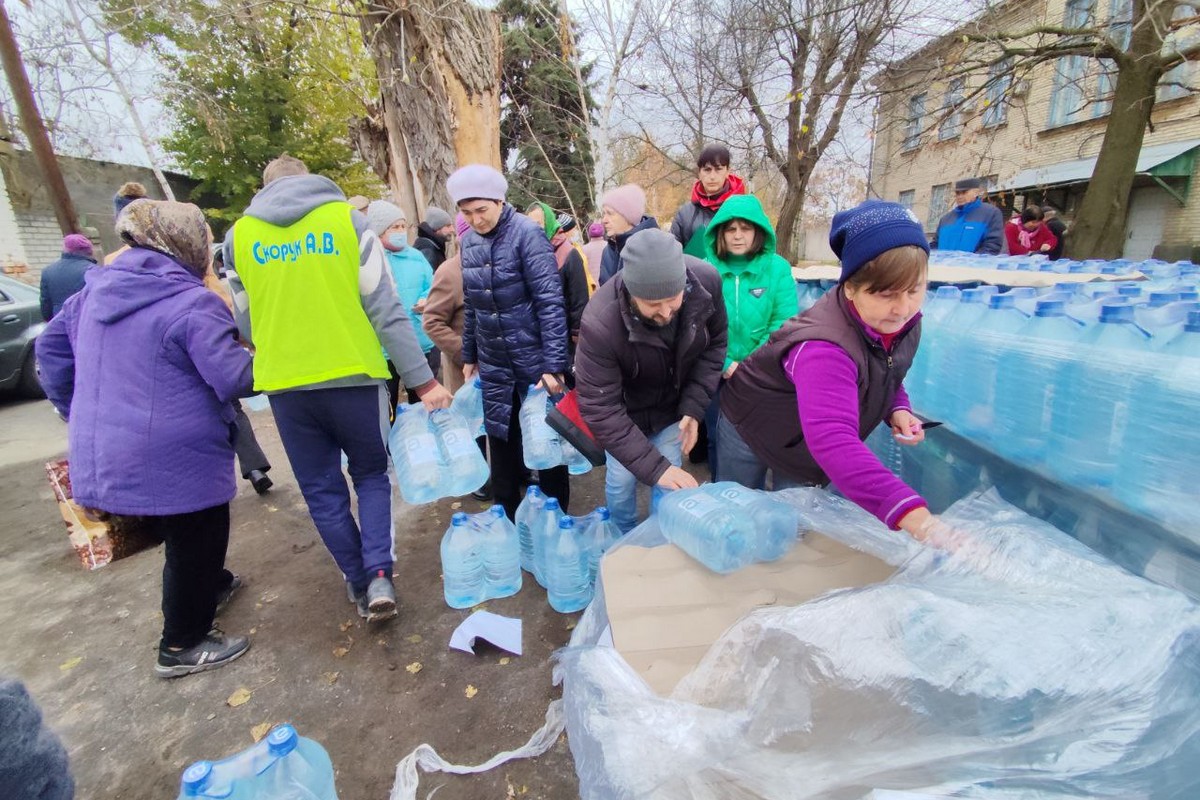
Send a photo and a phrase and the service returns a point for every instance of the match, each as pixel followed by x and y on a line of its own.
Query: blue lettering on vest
pixel 310 243
pixel 327 242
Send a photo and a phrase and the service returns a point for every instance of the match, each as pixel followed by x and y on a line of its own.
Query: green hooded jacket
pixel 760 292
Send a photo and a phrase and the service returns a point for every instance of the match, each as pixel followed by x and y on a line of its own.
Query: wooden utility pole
pixel 35 131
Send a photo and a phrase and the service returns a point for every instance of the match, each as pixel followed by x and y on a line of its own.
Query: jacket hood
pixel 740 206
pixel 138 278
pixel 286 200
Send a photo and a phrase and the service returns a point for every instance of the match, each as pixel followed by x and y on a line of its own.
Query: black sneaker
pixel 359 600
pixel 259 480
pixel 228 592
pixel 214 652
pixel 381 599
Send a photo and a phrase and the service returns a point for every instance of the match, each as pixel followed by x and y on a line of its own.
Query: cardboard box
pixel 666 609
pixel 96 542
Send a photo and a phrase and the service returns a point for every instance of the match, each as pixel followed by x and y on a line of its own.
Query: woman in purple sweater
pixel 803 403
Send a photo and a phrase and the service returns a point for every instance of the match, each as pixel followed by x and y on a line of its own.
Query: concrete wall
pixel 1024 141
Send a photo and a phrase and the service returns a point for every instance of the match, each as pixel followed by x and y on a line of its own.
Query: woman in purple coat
pixel 144 364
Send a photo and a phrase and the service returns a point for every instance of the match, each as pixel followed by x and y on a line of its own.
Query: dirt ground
pixel 85 643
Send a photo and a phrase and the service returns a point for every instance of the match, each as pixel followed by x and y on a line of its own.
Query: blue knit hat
pixel 861 233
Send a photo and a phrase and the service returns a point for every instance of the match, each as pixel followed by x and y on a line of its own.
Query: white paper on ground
pixel 504 632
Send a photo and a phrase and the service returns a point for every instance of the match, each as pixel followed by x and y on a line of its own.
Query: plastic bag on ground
pixel 1020 665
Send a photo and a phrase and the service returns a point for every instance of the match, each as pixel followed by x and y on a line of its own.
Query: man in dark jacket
pixel 623 213
pixel 972 226
pixel 64 277
pixel 514 324
pixel 432 235
pixel 715 183
pixel 1058 228
pixel 651 350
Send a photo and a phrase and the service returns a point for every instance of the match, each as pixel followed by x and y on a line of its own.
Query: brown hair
pixel 897 270
pixel 131 189
pixel 756 246
pixel 283 167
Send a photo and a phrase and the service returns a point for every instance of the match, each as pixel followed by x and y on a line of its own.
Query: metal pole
pixel 35 131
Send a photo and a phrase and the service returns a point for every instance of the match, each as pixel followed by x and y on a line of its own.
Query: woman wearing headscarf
pixel 577 285
pixel 144 363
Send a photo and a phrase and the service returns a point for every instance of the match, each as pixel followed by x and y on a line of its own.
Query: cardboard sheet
pixel 946 274
pixel 666 609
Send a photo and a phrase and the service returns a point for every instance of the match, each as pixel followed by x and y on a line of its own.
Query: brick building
pixel 1034 136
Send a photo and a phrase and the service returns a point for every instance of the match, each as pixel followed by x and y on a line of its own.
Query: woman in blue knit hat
pixel 802 405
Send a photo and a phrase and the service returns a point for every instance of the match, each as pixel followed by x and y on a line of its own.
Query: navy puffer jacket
pixel 610 262
pixel 515 322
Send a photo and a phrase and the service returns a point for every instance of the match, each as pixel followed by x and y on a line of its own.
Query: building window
pixel 906 198
pixel 951 125
pixel 995 96
pixel 939 203
pixel 1178 80
pixel 1068 98
pixel 912 124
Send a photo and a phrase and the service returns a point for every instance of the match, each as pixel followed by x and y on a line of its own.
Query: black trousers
pixel 194 572
pixel 250 455
pixel 508 469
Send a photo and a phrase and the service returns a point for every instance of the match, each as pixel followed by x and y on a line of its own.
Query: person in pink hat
pixel 623 214
pixel 64 277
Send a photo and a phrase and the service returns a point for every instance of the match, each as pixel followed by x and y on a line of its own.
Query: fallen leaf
pixel 238 698
pixel 456 505
pixel 331 677
pixel 340 652
pixel 414 667
pixel 345 626
pixel 480 607
pixel 570 624
pixel 471 691
pixel 259 731
pixel 414 639
pixel 505 660
pixel 253 631
pixel 71 663
pixel 381 642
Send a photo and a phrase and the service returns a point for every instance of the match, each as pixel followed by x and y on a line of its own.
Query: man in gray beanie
pixel 433 234
pixel 651 350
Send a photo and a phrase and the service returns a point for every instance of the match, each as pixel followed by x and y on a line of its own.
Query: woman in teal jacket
pixel 760 292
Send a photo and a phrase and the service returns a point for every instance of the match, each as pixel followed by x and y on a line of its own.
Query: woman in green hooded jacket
pixel 759 290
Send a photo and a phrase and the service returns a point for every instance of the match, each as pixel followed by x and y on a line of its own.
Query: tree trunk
pixel 439 74
pixel 788 235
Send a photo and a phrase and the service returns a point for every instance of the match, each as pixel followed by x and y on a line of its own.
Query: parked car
pixel 20 324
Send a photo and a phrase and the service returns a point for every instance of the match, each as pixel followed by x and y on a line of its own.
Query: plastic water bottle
pixel 501 553
pixel 601 534
pixel 993 338
pixel 528 514
pixel 950 373
pixel 416 455
pixel 1024 297
pixel 567 584
pixel 1028 376
pixel 577 463
pixel 468 401
pixel 282 766
pixel 1088 423
pixel 719 537
pixel 1160 461
pixel 462 564
pixel 917 382
pixel 776 523
pixel 544 529
pixel 464 469
pixel 540 443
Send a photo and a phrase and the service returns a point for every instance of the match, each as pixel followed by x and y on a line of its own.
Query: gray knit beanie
pixel 437 219
pixel 381 215
pixel 652 265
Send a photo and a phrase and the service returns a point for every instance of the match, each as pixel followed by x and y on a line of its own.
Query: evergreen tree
pixel 546 108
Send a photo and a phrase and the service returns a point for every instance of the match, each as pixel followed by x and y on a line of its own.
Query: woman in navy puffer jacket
pixel 515 323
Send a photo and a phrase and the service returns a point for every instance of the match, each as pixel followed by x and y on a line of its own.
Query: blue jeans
pixel 620 485
pixel 739 464
pixel 712 416
pixel 316 427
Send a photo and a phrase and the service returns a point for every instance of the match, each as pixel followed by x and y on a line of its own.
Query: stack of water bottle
pixel 726 526
pixel 435 454
pixel 1095 383
pixel 483 554
pixel 283 766
pixel 542 447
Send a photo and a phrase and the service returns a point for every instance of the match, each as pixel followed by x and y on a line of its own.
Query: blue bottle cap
pixel 478 382
pixel 1021 291
pixel 1051 308
pixel 283 739
pixel 497 511
pixel 1116 311
pixel 948 293
pixel 459 518
pixel 1129 291
pixel 1189 294
pixel 1160 299
pixel 975 295
pixel 194 778
pixel 602 512
pixel 567 522
pixel 551 503
pixel 1070 287
pixel 533 491
pixel 1193 322
pixel 1002 301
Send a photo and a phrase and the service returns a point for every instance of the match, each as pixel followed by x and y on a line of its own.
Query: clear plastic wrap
pixel 1020 665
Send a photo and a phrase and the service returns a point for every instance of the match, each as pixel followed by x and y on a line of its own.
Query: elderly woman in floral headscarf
pixel 144 363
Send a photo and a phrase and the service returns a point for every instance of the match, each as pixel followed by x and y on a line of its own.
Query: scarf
pixel 1026 237
pixel 174 229
pixel 734 185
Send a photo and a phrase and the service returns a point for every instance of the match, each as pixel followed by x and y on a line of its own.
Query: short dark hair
pixel 756 246
pixel 899 269
pixel 716 155
pixel 1032 214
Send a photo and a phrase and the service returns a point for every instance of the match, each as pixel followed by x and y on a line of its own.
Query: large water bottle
pixel 468 401
pixel 601 533
pixel 528 514
pixel 501 554
pixel 416 455
pixel 951 375
pixel 1027 378
pixel 1024 297
pixel 1160 461
pixel 994 338
pixel 719 537
pixel 540 443
pixel 1087 310
pixel 1089 421
pixel 567 584
pixel 776 523
pixel 464 469
pixel 545 530
pixel 933 316
pixel 283 766
pixel 462 564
